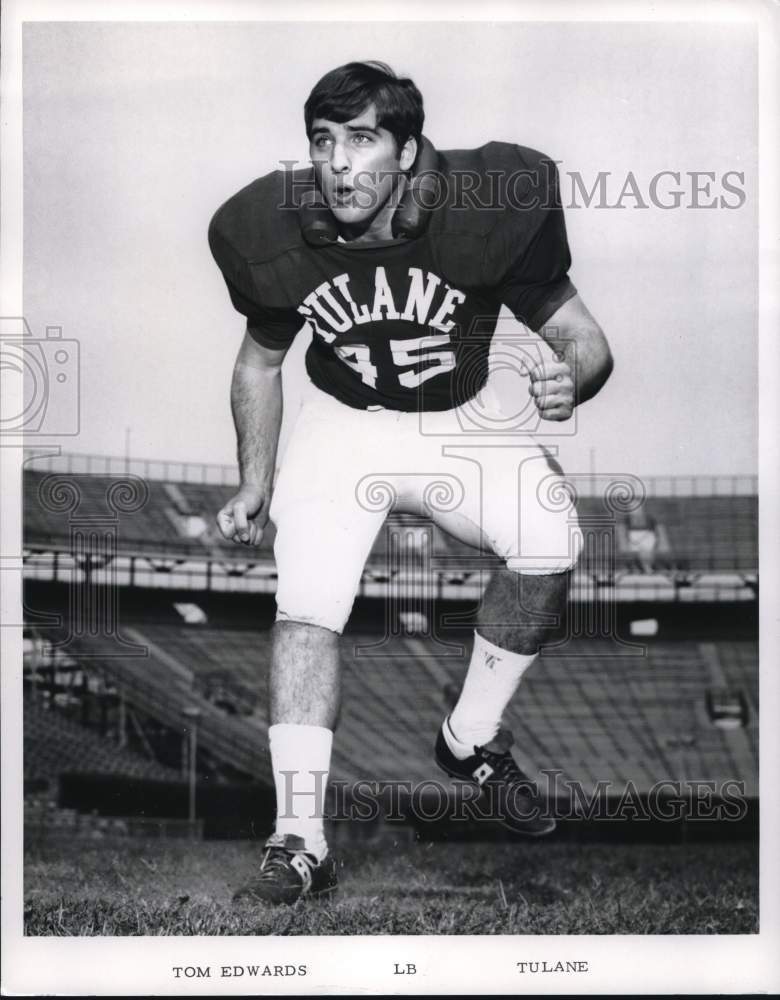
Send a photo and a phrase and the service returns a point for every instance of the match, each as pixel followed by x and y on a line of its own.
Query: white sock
pixel 300 795
pixel 491 680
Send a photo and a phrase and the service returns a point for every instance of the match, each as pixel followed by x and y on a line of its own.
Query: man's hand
pixel 552 388
pixel 573 330
pixel 245 515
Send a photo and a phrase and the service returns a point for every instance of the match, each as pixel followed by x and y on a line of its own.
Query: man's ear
pixel 408 153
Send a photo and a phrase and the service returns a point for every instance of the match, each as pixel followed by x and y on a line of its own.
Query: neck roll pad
pixel 318 226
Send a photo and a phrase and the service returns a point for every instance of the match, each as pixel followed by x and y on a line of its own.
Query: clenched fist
pixel 552 389
pixel 245 515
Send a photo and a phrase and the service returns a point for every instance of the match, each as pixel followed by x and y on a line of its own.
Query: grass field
pixel 164 888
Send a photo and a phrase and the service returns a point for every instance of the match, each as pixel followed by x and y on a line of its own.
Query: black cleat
pixel 507 795
pixel 288 872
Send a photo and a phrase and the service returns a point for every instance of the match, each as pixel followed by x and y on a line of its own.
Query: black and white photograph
pixel 389 463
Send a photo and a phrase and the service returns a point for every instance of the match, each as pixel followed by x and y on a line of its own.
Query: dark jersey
pixel 404 324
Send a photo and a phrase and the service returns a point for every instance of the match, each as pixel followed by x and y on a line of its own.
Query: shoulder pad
pixel 258 225
pixel 496 196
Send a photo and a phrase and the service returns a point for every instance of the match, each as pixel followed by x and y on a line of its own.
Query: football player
pixel 398 258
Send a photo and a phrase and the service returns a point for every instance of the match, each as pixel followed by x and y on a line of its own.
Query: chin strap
pixel 410 217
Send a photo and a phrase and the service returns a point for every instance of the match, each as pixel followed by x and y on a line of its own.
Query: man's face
pixel 357 165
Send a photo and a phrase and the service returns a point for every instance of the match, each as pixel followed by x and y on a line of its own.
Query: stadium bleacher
pixel 703 533
pixel 149 528
pixel 596 716
pixel 54 744
pixel 589 710
pixel 601 717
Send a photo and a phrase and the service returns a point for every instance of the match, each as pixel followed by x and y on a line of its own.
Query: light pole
pixel 192 714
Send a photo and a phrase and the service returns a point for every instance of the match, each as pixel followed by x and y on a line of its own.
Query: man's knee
pixel 523 611
pixel 329 617
pixel 553 545
pixel 319 573
pixel 556 523
pixel 293 630
pixel 535 525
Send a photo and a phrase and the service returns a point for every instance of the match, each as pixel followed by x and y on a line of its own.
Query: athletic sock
pixel 300 759
pixel 491 680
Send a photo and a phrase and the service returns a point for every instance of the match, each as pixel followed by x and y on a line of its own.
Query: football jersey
pixel 404 324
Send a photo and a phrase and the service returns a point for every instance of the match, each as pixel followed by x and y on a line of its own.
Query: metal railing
pixel 227 475
pixel 191 551
pixel 147 468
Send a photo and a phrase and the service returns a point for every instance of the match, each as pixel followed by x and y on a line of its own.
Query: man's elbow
pixel 595 364
pixel 258 362
pixel 603 361
pixel 607 362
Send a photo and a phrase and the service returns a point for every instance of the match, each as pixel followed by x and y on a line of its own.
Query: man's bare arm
pixel 583 361
pixel 573 332
pixel 256 404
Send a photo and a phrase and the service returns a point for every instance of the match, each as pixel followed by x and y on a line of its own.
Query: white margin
pixel 463 965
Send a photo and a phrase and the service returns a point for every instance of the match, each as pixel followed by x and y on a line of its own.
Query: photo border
pixel 457 965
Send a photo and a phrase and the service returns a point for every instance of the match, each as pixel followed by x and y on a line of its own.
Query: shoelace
pixel 504 764
pixel 277 858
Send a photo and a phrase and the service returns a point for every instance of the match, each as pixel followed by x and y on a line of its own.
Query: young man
pixel 400 274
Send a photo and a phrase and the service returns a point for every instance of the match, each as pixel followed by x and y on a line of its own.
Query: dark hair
pixel 344 92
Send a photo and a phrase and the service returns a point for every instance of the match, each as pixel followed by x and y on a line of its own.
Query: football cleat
pixel 288 872
pixel 507 795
